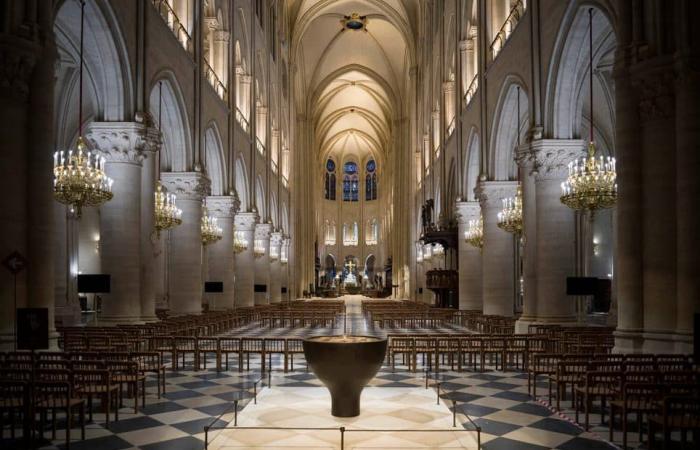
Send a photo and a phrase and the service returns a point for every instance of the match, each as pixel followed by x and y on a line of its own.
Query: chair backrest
pixel 87 364
pixel 683 409
pixel 52 393
pixel 185 343
pixel 115 356
pixel 53 364
pixel 641 376
pixel 208 343
pixel 86 378
pixel 275 345
pixel 637 366
pixel 14 392
pixel 14 374
pixel 230 344
pixel 249 344
pixel 11 363
pixel 118 367
pixel 53 375
pixel 147 360
pixel 51 356
pixel 295 345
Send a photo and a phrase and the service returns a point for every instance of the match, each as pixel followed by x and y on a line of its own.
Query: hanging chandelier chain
pixel 80 74
pixel 590 67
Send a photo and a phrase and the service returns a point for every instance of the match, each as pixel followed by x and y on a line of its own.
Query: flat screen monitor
pixel 97 283
pixel 214 286
pixel 260 288
pixel 581 286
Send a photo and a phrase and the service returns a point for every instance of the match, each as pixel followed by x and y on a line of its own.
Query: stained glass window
pixel 329 185
pixel 371 181
pixel 351 183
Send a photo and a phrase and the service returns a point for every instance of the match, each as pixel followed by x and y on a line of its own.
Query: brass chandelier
pixel 510 218
pixel 474 235
pixel 240 244
pixel 592 181
pixel 210 229
pixel 167 214
pixel 79 175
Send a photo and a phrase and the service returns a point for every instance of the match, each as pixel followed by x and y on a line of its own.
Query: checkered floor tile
pixel 496 401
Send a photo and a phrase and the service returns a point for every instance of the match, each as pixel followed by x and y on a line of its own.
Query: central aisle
pixel 390 408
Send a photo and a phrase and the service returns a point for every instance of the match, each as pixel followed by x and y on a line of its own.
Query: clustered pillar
pixel 498 282
pixel 262 263
pixel 220 253
pixel 244 227
pixel 185 268
pixel 470 277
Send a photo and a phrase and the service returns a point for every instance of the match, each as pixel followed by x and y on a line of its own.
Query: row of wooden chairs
pixel 179 347
pixel 464 351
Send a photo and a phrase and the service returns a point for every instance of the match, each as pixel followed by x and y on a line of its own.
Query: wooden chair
pixel 14 401
pixel 638 398
pixel 603 385
pixel 294 347
pixel 275 347
pixel 446 346
pixel 151 362
pixel 404 346
pixel 252 346
pixel 470 349
pixel 677 413
pixel 515 350
pixel 230 345
pixel 541 364
pixel 205 346
pixel 87 364
pixel 493 348
pixel 183 346
pixel 164 346
pixel 127 373
pixel 97 383
pixel 57 396
pixel 568 372
pixel 424 346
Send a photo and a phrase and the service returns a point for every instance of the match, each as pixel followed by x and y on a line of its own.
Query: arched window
pixel 351 188
pixel 371 181
pixel 372 232
pixel 350 232
pixel 330 180
pixel 330 233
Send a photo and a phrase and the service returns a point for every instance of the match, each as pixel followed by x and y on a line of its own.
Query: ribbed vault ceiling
pixel 354 80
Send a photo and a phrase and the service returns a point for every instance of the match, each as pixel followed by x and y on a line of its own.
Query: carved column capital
pixel 223 206
pixel 490 193
pixel 263 231
pixel 17 61
pixel 548 159
pixel 245 221
pixel 466 211
pixel 125 142
pixel 276 239
pixel 186 185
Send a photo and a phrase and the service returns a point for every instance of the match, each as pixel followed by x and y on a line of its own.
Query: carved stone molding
pixel 656 95
pixel 490 193
pixel 223 206
pixel 548 159
pixel 263 231
pixel 466 211
pixel 276 239
pixel 16 66
pixel 123 142
pixel 186 185
pixel 245 221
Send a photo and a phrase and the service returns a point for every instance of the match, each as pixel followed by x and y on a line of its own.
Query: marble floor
pixel 496 401
pixel 393 408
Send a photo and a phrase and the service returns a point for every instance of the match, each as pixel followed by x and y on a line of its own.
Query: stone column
pixel 149 242
pixel 688 212
pixel 185 271
pixel 123 145
pixel 529 237
pixel 244 224
pixel 497 258
pixel 286 247
pixel 220 253
pixel 554 233
pixel 470 277
pixel 246 103
pixel 275 267
pixel 262 262
pixel 466 56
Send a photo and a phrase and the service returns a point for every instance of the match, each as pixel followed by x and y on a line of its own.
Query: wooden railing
pixel 507 28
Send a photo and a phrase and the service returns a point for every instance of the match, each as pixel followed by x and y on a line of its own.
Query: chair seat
pixel 6 403
pixel 636 405
pixel 96 389
pixel 60 403
pixel 597 390
pixel 682 422
pixel 127 378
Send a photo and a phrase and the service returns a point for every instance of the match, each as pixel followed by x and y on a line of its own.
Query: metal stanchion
pixel 235 413
pixel 342 438
pixel 438 392
pixel 454 413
